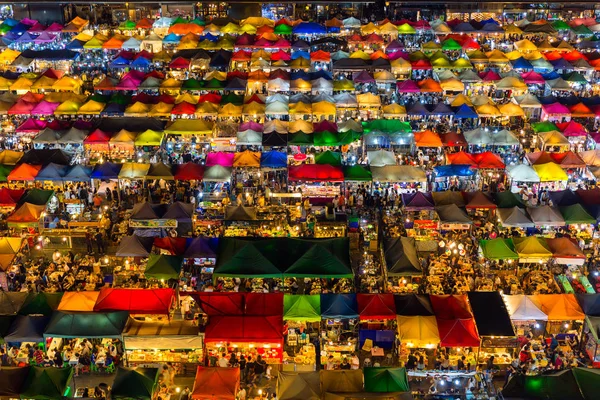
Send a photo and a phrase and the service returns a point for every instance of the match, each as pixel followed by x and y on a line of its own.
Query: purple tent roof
pixel 45 37
pixel 398 54
pixel 362 77
pixel 417 201
pixel 250 125
pixel 408 86
pixel 25 38
pixel 28 21
pixel 55 28
pixel 44 108
pixel 37 28
pixel 394 46
pixel 199 247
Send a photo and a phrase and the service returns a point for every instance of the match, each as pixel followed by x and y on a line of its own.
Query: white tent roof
pixel 522 173
pixel 351 23
pixel 521 308
pixel 249 137
pixel 163 22
pixel 277 108
pixel 131 44
pixel 381 158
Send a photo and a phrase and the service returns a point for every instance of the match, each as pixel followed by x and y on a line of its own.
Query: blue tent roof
pixel 300 53
pixel 309 28
pixel 114 109
pixel 10 22
pixel 550 75
pixel 464 111
pixel 52 172
pixel 333 29
pixel 20 28
pixel 561 63
pixel 119 62
pixel 209 37
pixel 141 62
pixel 106 171
pixel 171 38
pixel 489 21
pixel 75 45
pixel 273 159
pixel 339 306
pixel 521 63
pixel 78 173
pixel 299 75
pixel 443 171
pixel 418 109
pixel 26 38
pixel 320 74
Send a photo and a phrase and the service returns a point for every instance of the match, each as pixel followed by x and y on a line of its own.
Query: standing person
pixel 259 369
pixel 89 242
pixel 411 362
pixel 99 241
pixel 222 362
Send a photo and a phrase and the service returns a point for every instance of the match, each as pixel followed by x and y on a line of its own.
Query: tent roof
pixel 27 328
pixel 411 305
pixel 41 303
pixel 522 308
pixel 87 325
pixel 302 308
pixel 12 380
pixel 78 301
pixel 376 306
pixel 135 383
pixel 46 383
pixel 135 301
pixel 338 306
pixel 342 381
pixel 418 330
pixel 385 380
pixel 265 329
pixel 401 257
pixel 216 383
pixel 498 249
pixel 559 307
pixel 163 267
pixel 294 386
pixel 491 315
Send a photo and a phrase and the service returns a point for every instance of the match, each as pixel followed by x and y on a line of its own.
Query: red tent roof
pixel 223 304
pixel 451 306
pixel 590 196
pixel 97 137
pixel 316 172
pixel 458 332
pixel 184 108
pixel 136 301
pixel 216 383
pixel 245 329
pixel 461 158
pixel 10 197
pixel 174 245
pixel 264 304
pixel 453 139
pixel 189 172
pixel 281 55
pixel 211 98
pixel 571 128
pixel 489 160
pixel 421 64
pixel 179 63
pixel 241 55
pixel 376 306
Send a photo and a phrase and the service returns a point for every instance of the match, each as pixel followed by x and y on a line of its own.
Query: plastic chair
pixel 85 369
pixel 110 368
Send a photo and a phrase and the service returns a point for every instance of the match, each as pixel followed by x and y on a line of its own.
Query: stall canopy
pixel 401 257
pixel 344 381
pixel 278 257
pixel 338 306
pixel 491 315
pixel 385 380
pixel 455 321
pixel 41 303
pixel 498 249
pixel 78 301
pixel 12 381
pixel 590 303
pixel 87 325
pixel 376 306
pixel 265 329
pixel 176 334
pixel 302 308
pixel 559 307
pixel 134 246
pixel 296 386
pixel 216 383
pixel 572 384
pixel 11 302
pixel 163 267
pixel 46 383
pixel 522 308
pixel 135 383
pixel 27 328
pixel 135 301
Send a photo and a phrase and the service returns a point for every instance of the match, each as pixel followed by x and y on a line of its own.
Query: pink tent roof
pixel 32 125
pixel 556 109
pixel 128 84
pixel 281 44
pixel 251 125
pixel 45 37
pixel 571 128
pixel 325 126
pixel 490 76
pixel 220 158
pixel 44 108
pixel 55 28
pixel 29 21
pixel 37 28
pixel 408 86
pixel 532 78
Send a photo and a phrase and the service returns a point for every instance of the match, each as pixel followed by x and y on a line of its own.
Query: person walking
pixel 99 241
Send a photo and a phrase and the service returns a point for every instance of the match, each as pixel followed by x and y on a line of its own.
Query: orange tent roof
pixel 559 307
pixel 27 213
pixel 428 139
pixel 216 383
pixel 144 23
pixel 114 42
pixel 581 110
pixel 429 85
pixel 379 54
pixel 24 172
pixel 461 158
pixel 182 29
pixel 320 55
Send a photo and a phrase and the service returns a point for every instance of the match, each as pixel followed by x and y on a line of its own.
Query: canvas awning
pixel 87 325
pixel 305 308
pixel 522 308
pixel 135 301
pixel 559 307
pixel 216 383
pixel 162 335
pixel 401 257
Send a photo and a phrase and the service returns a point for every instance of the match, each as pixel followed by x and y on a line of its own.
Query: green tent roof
pixel 560 385
pixel 544 126
pixel 357 173
pixel 41 303
pixel 329 157
pixel 165 267
pixel 560 25
pixel 99 98
pixel 582 30
pixel 234 99
pixel 498 249
pixel 278 257
pixel 451 44
pixel 576 77
pixel 4 171
pixel 576 214
pixel 87 325
pixel 127 25
pixel 588 380
pixel 283 29
pixel 300 138
pixel 214 84
pixel 179 20
pixel 120 98
pixel 387 126
pixel 37 197
pixel 326 138
pixel 46 383
pixel 199 22
pixel 406 29
pixel 302 307
pixel 138 383
pixel 385 380
pixel 192 84
pixel 508 200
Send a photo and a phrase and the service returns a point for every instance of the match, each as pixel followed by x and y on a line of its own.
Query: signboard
pixel 448 227
pixel 154 223
pixel 425 224
pixel 496 342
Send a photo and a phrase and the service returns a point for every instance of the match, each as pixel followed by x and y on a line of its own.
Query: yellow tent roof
pixel 218 75
pixel 343 84
pixel 300 108
pixel 511 83
pixel 401 65
pixel 300 126
pixel 394 109
pixel 453 84
pixel 531 247
pixel 83 37
pixel 550 172
pixel 369 28
pixel 511 109
pixel 525 45
pixel 61 97
pixel 487 110
pixel 9 55
pixel 360 54
pixel 123 137
pixel 67 107
pixel 258 21
pixel 137 109
pixel 190 127
pixel 388 28
pixel 22 84
pixel 496 56
pixel 10 157
pixel 300 85
pixel 513 55
pixel 323 108
pixel 534 55
pixel 93 43
pixel 149 138
pixel 253 108
pixel 92 107
pixel 384 76
pixel 67 83
pixel 247 159
pixel 78 301
pixel 134 171
pixel 512 29
pixel 260 54
pixel 368 99
pixel 43 83
pixel 418 331
pixel 160 110
pixel 188 98
pixel 170 84
pixel 231 28
pixel 4 107
pixel 247 28
pixel 187 45
pixel 207 108
pixel 230 110
pixel 5 84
